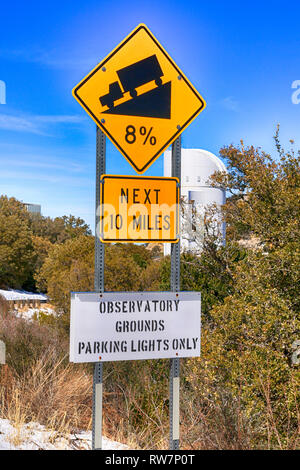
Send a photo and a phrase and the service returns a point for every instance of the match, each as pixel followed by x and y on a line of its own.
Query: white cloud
pixel 15 123
pixel 62 178
pixel 35 124
pixel 29 161
pixel 15 154
pixel 49 59
pixel 64 119
pixel 230 103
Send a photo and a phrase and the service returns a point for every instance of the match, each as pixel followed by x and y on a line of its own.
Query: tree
pixel 41 248
pixel 60 229
pixel 70 267
pixel 210 273
pixel 265 197
pixel 247 344
pixel 16 248
pixel 73 227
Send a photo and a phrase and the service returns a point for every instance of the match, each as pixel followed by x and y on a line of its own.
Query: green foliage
pixel 139 253
pixel 16 248
pixel 125 267
pixel 25 240
pixel 265 194
pixel 58 230
pixel 26 342
pixel 244 382
pixel 68 267
pixel 247 352
pixel 246 347
pixel 211 273
pixel 41 248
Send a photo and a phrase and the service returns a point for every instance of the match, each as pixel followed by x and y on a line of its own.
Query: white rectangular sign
pixel 122 326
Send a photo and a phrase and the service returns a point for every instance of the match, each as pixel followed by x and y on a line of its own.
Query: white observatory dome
pixel 197 166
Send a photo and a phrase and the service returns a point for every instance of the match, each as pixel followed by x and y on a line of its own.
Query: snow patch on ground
pixel 28 312
pixel 14 294
pixel 34 436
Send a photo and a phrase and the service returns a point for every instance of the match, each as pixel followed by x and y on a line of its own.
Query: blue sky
pixel 241 56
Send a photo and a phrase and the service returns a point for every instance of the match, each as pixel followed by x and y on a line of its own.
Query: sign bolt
pixel 178 127
pixel 103 69
pixel 103 121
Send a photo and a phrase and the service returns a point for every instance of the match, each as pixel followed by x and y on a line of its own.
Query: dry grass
pixel 50 393
pixel 3 306
pixel 203 426
pixel 39 385
pixel 136 412
pixel 208 425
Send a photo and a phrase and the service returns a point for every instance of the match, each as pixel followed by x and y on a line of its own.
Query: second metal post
pixel 99 287
pixel 175 287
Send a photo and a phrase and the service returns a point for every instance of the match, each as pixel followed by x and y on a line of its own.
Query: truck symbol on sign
pixel 132 77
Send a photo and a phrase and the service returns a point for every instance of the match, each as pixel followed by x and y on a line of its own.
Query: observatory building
pixel 197 166
pixel 33 208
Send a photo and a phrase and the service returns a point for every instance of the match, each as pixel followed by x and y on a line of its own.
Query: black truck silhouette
pixel 132 77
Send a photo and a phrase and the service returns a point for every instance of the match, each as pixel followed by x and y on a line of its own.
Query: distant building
pixel 33 208
pixel 197 166
pixel 19 299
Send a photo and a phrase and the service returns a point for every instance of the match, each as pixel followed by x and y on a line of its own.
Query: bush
pixel 38 384
pixel 246 346
pixel 27 341
pixel 3 306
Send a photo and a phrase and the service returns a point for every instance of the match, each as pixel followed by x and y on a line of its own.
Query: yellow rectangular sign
pixel 139 209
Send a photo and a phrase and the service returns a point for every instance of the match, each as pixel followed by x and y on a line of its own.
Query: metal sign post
pixel 99 287
pixel 175 287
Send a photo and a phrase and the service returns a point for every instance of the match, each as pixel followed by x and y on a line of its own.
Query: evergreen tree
pixel 16 248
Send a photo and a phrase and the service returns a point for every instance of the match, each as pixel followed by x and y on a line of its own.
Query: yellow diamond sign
pixel 139 98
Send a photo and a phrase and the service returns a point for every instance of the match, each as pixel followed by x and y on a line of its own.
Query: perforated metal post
pixel 175 287
pixel 99 287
